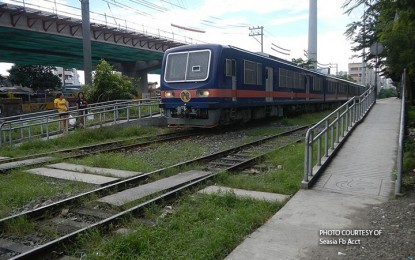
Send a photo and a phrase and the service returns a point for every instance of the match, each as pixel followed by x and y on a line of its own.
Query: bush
pixel 387 93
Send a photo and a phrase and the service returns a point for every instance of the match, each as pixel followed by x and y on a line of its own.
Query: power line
pixel 115 21
pixel 280 47
pixel 279 51
pixel 150 5
pixel 126 7
pixel 187 28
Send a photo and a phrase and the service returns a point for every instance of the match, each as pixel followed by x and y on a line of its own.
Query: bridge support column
pixel 143 83
pixel 138 70
pixel 132 70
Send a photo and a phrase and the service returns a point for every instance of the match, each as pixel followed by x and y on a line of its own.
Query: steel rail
pixel 41 251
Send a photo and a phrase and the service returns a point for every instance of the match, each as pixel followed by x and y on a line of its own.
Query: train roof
pixel 263 55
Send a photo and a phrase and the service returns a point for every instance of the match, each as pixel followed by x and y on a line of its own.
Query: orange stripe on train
pixel 228 93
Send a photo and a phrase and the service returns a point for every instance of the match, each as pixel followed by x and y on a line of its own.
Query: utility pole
pixel 86 40
pixel 363 78
pixel 255 31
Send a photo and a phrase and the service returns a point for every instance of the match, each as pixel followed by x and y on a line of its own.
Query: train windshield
pixel 187 66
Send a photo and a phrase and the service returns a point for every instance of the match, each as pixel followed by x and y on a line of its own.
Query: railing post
pixel 47 128
pixel 306 164
pixel 319 151
pixel 10 134
pixel 21 131
pixel 332 137
pixel 310 154
pixel 338 126
pixel 326 139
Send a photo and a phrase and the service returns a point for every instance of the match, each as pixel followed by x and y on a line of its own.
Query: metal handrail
pixel 48 112
pixel 323 139
pixel 399 164
pixel 48 125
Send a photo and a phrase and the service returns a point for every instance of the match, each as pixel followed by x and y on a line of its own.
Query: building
pixel 69 77
pixel 355 71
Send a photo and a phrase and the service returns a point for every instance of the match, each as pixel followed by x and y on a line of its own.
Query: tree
pixel 36 77
pixel 307 64
pixel 391 23
pixel 345 77
pixel 109 85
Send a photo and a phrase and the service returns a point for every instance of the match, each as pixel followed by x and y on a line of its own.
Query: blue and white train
pixel 208 85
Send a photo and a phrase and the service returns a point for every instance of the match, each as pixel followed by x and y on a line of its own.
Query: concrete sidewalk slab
pixel 28 162
pixel 358 178
pixel 139 192
pixel 94 170
pixel 291 232
pixel 268 196
pixel 72 176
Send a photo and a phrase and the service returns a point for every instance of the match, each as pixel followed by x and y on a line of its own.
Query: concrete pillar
pixel 143 83
pixel 86 41
pixel 134 70
pixel 312 32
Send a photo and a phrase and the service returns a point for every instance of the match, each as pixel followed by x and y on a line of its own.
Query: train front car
pixel 188 92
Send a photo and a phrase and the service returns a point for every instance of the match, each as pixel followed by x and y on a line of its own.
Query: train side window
pixel 259 74
pixel 284 78
pixel 252 73
pixel 230 68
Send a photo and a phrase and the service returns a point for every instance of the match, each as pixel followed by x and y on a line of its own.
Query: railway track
pixel 8 164
pixel 99 217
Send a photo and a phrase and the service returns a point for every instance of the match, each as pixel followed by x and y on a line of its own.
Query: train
pixel 211 85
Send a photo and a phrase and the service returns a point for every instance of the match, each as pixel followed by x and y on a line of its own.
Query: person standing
pixel 81 104
pixel 62 106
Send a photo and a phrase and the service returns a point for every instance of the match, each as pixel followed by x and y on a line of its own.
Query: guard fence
pixel 324 138
pixel 399 163
pixel 47 124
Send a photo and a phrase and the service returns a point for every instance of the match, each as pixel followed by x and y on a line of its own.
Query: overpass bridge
pixel 33 37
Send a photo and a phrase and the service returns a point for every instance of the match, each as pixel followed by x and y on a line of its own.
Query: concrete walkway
pixel 359 177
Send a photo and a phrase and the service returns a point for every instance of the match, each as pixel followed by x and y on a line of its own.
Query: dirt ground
pixel 396 220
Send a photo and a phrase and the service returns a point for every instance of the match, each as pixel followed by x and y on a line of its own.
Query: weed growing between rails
pixel 195 227
pixel 78 138
pixel 21 191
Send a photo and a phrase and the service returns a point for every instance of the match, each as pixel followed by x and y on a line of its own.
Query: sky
pixel 285 24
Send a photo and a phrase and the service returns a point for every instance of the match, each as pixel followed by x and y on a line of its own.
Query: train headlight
pixel 203 93
pixel 169 94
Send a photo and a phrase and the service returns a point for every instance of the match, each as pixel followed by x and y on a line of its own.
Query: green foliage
pixel 219 223
pixel 35 76
pixel 345 77
pixel 20 226
pixel 77 138
pixel 10 95
pixel 109 85
pixel 391 23
pixel 162 155
pixel 19 188
pixel 387 93
pixel 284 177
pixel 307 64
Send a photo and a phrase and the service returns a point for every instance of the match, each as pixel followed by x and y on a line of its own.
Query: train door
pixel 308 85
pixel 269 79
pixel 231 72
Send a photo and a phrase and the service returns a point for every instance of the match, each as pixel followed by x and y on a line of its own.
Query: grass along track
pixel 284 180
pixel 109 220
